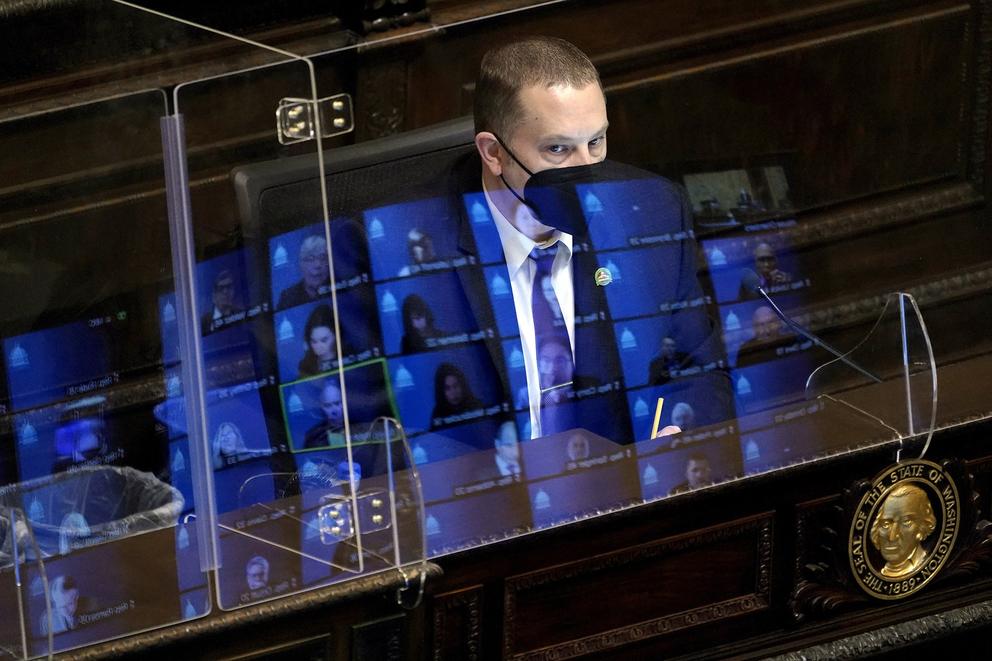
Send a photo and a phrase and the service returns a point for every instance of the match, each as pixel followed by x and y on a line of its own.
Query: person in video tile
pixel 420 246
pixel 766 337
pixel 324 432
pixel 577 448
pixel 769 275
pixel 321 343
pixel 226 301
pixel 453 395
pixel 668 360
pixel 67 605
pixel 257 573
pixel 507 450
pixel 73 532
pixel 228 446
pixel 315 272
pixel 698 473
pixel 79 442
pixel 418 324
pixel 556 368
pixel 684 416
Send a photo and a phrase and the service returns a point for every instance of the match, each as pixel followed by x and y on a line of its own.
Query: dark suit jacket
pixel 458 173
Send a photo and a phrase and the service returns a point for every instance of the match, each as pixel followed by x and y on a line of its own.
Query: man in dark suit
pixel 540 110
pixel 225 302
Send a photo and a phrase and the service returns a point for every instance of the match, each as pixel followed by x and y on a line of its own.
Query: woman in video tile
pixel 452 395
pixel 229 446
pixel 418 324
pixel 73 532
pixel 321 343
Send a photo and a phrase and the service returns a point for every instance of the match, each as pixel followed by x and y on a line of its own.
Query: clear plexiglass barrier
pixel 340 515
pixel 34 604
pixel 890 376
pixel 251 350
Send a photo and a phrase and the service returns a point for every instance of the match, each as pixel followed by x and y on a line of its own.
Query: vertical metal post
pixel 192 370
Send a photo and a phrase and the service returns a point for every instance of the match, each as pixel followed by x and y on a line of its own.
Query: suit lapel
pixel 589 300
pixel 466 178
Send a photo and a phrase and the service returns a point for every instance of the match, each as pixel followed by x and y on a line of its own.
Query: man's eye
pixel 596 142
pixel 557 149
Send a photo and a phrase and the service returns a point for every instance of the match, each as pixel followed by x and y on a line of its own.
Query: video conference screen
pixel 426 330
pixel 769 361
pixel 136 581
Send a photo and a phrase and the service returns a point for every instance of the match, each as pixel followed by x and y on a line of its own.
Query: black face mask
pixel 522 167
pixel 553 197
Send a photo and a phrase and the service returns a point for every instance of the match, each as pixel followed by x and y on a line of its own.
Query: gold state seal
pixel 904 529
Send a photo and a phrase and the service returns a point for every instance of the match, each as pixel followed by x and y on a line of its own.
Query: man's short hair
pixel 507 69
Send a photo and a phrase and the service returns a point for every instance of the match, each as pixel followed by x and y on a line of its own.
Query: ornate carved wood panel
pixel 457 625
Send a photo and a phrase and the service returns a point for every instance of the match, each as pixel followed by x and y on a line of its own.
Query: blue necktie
pixel 554 350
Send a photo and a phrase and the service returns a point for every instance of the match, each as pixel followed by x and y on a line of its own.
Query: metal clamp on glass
pixel 336 521
pixel 297 120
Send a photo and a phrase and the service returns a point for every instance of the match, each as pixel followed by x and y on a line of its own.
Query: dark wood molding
pixel 225 622
pixel 978 140
pixel 899 638
pixel 756 530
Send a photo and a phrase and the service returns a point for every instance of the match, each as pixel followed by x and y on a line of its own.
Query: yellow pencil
pixel 657 417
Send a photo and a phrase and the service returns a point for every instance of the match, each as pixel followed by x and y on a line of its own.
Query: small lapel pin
pixel 603 276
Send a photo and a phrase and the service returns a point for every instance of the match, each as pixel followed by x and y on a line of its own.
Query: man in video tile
pixel 66 605
pixel 331 428
pixel 507 447
pixel 315 274
pixel 557 369
pixel 225 299
pixel 769 275
pixel 667 363
pixel 257 573
pixel 766 339
pixel 698 473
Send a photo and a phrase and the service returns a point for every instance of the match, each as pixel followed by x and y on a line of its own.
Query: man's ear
pixel 489 151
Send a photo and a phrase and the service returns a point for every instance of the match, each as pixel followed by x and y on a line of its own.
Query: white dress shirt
pixel 516 249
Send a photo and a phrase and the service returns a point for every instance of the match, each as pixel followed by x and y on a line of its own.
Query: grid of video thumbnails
pixel 647 370
pixel 427 333
pixel 76 445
